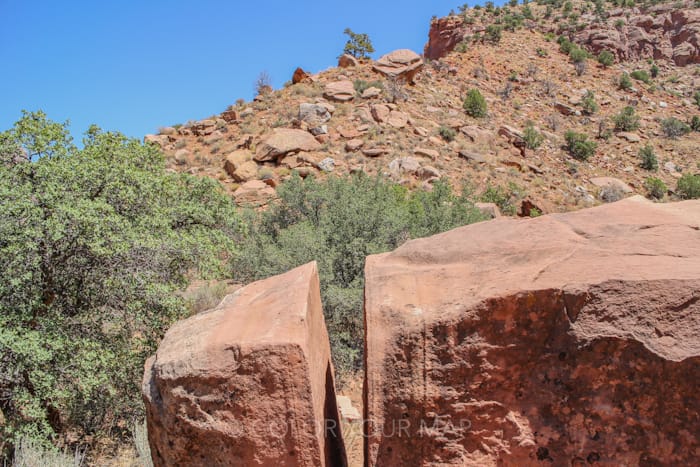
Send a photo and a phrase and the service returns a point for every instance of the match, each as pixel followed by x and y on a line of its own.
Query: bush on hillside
pixel 648 159
pixel 656 188
pixel 626 120
pixel 475 104
pixel 338 223
pixel 94 244
pixel 688 186
pixel 673 128
pixel 589 104
pixel 624 83
pixel 579 146
pixel 641 75
pixel 606 58
pixel 533 138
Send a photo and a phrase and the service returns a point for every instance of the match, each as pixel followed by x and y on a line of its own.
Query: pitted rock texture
pixel 569 339
pixel 249 383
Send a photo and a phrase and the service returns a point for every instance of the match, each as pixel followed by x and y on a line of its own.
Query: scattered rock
pixel 404 165
pixel 428 173
pixel 230 116
pixel 566 109
pixel 254 193
pixel 347 61
pixel 181 156
pixel 375 152
pixel 401 64
pixel 221 393
pixel 246 171
pixel 353 145
pixel 283 141
pixel 431 153
pixel 630 137
pixel 300 76
pixel 602 182
pixel 327 164
pixel 380 112
pixel 203 127
pixel 472 157
pixel 489 209
pixel 313 114
pixel 371 92
pixel 341 91
pixel 397 119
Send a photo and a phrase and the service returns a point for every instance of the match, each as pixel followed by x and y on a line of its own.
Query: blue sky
pixel 134 65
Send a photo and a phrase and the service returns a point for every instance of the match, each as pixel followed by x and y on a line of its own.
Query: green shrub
pixel 493 34
pixel 541 52
pixel 641 75
pixel 695 123
pixel 565 45
pixel 656 188
pixel 626 120
pixel 590 106
pixel 654 70
pixel 95 243
pixel 648 158
pixel 475 104
pixel 579 146
pixel 606 58
pixel 673 128
pixel 338 222
pixel 500 197
pixel 447 133
pixel 357 45
pixel 696 98
pixel 577 54
pixel 624 83
pixel 533 138
pixel 689 186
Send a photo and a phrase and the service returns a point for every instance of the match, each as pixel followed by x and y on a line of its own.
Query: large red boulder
pixel 249 383
pixel 568 339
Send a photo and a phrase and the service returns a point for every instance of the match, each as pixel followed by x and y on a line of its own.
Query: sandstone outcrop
pixel 283 141
pixel 400 64
pixel 568 339
pixel 249 383
pixel 662 32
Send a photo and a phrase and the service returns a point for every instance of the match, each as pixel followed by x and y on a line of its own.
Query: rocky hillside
pixel 404 116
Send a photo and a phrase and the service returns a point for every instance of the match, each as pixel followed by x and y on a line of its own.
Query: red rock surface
pixel 569 339
pixel 249 383
pixel 669 31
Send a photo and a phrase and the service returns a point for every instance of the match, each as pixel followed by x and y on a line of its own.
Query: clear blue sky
pixel 133 66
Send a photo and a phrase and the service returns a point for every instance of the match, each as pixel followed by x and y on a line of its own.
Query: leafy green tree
pixel 475 104
pixel 358 45
pixel 94 244
pixel 338 222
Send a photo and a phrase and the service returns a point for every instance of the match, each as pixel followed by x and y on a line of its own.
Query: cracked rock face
pixel 249 383
pixel 569 339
